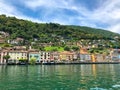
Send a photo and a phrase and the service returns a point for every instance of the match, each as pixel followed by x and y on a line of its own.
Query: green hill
pixel 50 32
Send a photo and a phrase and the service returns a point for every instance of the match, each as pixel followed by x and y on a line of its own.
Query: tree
pixel 6 45
pixel 75 48
pixel 54 49
pixel 23 60
pixel 6 57
pixel 67 48
pixel 32 60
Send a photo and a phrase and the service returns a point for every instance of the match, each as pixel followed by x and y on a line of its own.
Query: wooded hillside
pixel 50 32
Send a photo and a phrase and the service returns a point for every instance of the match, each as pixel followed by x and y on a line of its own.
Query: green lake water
pixel 60 77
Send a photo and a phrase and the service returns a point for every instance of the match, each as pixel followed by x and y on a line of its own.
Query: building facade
pixel 67 55
pixel 35 55
pixel 2 54
pixel 85 57
pixel 45 56
pixel 16 55
pixel 54 56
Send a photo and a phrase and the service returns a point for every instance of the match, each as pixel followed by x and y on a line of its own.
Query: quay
pixel 62 63
pixel 70 63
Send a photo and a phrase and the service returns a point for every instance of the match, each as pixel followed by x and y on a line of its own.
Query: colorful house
pixel 35 55
pixel 45 56
pixel 115 55
pixel 93 56
pixel 84 55
pixel 100 58
pixel 54 56
pixel 2 54
pixel 16 55
pixel 67 55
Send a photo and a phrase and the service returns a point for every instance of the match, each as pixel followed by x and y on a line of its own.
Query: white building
pixel 45 56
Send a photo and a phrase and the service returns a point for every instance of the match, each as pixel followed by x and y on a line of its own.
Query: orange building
pixel 67 55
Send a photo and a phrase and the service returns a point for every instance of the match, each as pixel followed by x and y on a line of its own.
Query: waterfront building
pixel 16 55
pixel 67 55
pixel 85 57
pixel 54 56
pixel 93 56
pixel 115 55
pixel 45 56
pixel 36 55
pixel 101 58
pixel 2 54
pixel 75 55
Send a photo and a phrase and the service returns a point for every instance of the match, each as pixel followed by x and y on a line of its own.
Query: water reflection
pixel 60 77
pixel 94 70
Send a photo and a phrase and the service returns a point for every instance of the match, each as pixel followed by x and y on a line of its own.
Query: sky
pixel 103 14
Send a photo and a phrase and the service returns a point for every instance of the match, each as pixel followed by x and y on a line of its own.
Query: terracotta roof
pixel 19 51
pixel 67 52
pixel 34 52
pixel 83 51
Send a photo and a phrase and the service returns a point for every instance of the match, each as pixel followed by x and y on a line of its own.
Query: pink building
pixel 2 54
pixel 54 56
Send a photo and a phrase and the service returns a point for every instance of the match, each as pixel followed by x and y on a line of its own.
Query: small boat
pixel 97 88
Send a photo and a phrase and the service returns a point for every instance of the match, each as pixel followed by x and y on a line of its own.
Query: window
pixel 22 54
pixel 41 54
pixel 37 60
pixel 30 56
pixel 36 56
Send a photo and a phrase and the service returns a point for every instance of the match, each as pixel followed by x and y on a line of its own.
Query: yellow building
pixel 66 55
pixel 93 58
pixel 16 55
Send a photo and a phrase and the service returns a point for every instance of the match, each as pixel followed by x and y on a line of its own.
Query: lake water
pixel 60 77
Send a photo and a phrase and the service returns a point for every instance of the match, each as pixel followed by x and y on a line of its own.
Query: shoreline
pixel 77 63
pixel 64 63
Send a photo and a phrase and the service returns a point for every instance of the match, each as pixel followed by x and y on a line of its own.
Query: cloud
pixel 115 28
pixel 7 9
pixel 59 11
pixel 109 13
pixel 55 11
pixel 34 4
pixel 103 14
